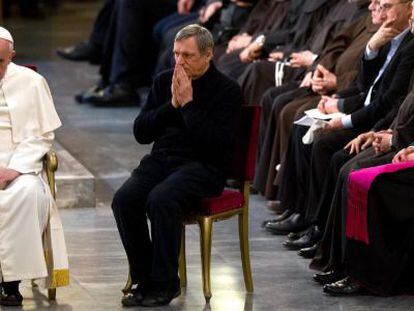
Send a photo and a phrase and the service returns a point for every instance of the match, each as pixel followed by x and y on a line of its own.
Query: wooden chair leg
pixel 182 270
pixel 51 293
pixel 205 243
pixel 244 250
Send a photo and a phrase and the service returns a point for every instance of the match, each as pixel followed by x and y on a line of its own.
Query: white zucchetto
pixel 6 35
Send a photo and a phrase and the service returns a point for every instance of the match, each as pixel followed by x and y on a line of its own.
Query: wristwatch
pixel 260 40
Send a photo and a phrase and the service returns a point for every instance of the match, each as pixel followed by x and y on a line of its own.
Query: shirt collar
pixel 398 39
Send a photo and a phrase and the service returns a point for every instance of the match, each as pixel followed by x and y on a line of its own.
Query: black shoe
pixel 92 91
pixel 312 236
pixel 11 300
pixel 157 298
pixel 296 235
pixel 83 51
pixel 134 298
pixel 281 217
pixel 328 277
pixel 114 95
pixel 293 223
pixel 344 287
pixel 308 252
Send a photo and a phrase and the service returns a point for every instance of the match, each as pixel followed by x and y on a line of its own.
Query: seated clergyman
pixel 27 121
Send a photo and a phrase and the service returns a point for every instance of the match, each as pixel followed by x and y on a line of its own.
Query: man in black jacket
pixel 189 115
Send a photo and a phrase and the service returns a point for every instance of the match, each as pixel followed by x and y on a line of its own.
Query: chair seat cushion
pixel 228 200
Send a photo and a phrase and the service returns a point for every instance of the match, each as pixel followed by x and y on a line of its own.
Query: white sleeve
pixel 27 157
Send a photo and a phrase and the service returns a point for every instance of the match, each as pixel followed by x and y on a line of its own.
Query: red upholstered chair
pixel 230 203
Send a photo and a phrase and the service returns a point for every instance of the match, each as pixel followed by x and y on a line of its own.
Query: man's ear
pixel 209 55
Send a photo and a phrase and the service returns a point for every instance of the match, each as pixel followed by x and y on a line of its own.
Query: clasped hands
pixel 381 141
pixel 7 175
pixel 181 88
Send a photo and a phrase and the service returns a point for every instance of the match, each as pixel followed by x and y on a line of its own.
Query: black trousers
pixel 272 103
pixel 130 52
pixel 160 188
pixel 305 167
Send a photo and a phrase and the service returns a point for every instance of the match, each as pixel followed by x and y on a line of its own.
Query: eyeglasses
pixel 387 6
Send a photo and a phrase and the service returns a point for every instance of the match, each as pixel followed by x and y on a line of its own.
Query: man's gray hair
pixel 202 36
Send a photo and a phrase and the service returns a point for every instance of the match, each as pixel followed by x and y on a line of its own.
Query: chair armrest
pixel 50 164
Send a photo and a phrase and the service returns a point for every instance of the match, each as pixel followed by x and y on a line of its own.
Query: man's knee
pixel 124 200
pixel 163 200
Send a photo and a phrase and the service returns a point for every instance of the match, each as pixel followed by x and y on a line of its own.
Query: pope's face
pixel 188 56
pixel 6 55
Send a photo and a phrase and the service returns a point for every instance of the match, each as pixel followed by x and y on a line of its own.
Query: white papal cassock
pixel 31 235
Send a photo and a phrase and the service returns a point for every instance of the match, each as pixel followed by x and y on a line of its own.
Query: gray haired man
pixel 189 116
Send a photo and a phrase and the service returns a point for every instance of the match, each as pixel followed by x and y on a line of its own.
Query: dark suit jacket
pixel 389 91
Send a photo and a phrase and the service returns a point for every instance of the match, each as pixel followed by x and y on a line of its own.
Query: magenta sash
pixel 359 182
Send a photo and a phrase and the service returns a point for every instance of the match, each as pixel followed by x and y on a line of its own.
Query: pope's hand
pixel 7 175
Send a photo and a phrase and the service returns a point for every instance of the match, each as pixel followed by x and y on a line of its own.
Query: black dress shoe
pixel 308 252
pixel 328 277
pixel 83 51
pixel 296 235
pixel 116 94
pixel 11 300
pixel 293 223
pixel 157 298
pixel 133 298
pixel 92 91
pixel 281 217
pixel 312 236
pixel 344 287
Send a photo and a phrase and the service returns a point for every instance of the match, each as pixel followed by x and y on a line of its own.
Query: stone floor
pixel 101 139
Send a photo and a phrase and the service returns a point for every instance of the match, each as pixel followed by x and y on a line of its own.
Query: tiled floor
pixel 101 139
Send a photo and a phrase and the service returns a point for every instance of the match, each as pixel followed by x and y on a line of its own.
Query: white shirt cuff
pixel 370 54
pixel 347 121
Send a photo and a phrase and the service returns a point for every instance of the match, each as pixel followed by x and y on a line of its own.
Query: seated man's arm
pixel 27 157
pixel 156 113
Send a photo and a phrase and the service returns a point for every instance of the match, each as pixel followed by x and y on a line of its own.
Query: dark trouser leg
pixel 296 167
pixel 130 214
pixel 318 213
pixel 272 102
pixel 181 189
pixel 135 52
pixel 325 146
pixel 101 24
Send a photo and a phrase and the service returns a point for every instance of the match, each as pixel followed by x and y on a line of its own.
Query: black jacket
pixel 203 130
pixel 388 92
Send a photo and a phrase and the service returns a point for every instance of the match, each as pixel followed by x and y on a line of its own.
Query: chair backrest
pixel 244 155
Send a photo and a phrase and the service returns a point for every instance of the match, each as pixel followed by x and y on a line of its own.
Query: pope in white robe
pixel 31 235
